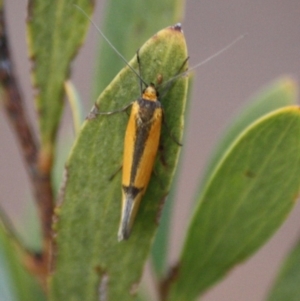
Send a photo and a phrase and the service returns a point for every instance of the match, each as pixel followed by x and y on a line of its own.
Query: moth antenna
pixel 110 44
pixel 207 60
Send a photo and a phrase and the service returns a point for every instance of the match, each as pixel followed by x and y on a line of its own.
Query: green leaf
pixel 287 285
pixel 248 197
pixel 55 31
pixel 128 24
pixel 280 93
pixel 75 105
pixel 30 227
pixel 89 257
pixel 16 284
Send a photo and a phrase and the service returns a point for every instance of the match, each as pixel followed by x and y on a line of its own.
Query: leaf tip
pixel 177 27
pixel 289 84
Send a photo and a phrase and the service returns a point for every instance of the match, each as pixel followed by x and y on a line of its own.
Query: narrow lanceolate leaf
pixel 90 263
pixel 75 105
pixel 280 93
pixel 287 285
pixel 55 31
pixel 247 198
pixel 16 283
pixel 128 24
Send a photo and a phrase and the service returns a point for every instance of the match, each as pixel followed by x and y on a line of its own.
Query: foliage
pixel 248 189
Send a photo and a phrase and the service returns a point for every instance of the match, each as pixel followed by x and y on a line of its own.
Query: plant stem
pixel 164 285
pixel 40 179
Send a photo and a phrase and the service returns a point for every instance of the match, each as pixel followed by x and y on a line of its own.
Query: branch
pixel 165 284
pixel 13 105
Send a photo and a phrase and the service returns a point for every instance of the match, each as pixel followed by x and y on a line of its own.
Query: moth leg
pixel 116 111
pixel 115 173
pixel 170 133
